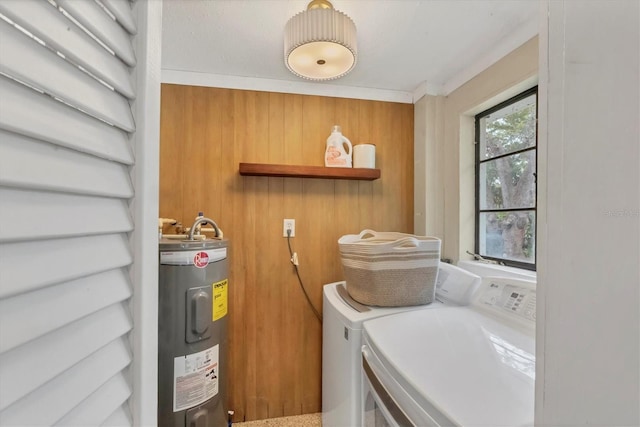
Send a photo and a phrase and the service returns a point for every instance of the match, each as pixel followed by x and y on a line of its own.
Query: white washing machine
pixel 342 340
pixel 463 366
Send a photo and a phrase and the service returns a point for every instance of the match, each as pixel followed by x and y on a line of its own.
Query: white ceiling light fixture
pixel 320 43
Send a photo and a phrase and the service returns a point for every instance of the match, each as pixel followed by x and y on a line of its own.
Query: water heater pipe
pixel 200 221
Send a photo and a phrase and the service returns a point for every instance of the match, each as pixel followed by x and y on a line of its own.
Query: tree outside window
pixel 506 137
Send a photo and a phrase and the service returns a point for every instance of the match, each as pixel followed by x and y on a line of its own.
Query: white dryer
pixel 342 340
pixel 462 366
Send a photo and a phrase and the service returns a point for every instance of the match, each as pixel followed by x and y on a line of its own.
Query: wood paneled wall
pixel 275 340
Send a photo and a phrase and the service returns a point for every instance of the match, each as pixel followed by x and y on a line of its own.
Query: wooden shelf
pixel 261 169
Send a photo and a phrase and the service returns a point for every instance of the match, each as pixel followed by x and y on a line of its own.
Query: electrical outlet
pixel 289 224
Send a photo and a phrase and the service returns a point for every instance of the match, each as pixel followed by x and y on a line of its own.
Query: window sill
pixel 483 269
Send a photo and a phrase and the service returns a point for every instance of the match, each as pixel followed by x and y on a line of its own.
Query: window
pixel 506 147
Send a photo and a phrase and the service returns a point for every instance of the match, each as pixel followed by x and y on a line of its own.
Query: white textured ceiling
pixel 403 45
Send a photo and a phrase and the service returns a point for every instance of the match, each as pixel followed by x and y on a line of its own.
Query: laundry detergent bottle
pixel 338 152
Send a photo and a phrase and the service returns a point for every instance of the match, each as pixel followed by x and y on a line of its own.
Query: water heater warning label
pixel 195 378
pixel 220 299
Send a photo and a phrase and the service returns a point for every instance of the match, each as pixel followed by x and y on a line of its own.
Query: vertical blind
pixel 66 128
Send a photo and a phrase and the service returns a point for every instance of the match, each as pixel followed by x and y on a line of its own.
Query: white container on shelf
pixel 339 150
pixel 364 156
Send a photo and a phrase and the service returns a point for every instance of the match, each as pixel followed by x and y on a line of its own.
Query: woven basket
pixel 390 269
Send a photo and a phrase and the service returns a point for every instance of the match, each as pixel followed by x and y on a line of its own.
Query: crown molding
pixel 507 45
pixel 425 88
pixel 191 78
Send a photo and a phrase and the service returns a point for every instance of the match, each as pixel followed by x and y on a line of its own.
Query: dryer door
pixel 374 411
pixel 384 401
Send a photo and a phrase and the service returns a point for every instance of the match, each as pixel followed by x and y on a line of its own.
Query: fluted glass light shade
pixel 320 43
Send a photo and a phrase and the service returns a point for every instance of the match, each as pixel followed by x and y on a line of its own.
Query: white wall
pixel 428 185
pixel 588 333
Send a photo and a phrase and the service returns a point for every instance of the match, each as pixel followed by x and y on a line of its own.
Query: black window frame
pixel 478 162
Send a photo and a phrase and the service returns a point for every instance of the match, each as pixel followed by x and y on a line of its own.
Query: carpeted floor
pixel 307 420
